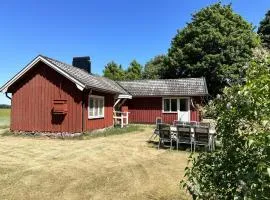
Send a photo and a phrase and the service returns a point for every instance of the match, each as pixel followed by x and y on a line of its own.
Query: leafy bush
pixel 241 169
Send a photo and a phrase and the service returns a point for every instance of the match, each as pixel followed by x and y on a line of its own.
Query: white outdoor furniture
pixel 122 117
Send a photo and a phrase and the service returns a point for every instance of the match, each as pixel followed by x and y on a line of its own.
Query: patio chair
pixel 193 123
pixel 204 124
pixel 164 135
pixel 184 135
pixel 178 123
pixel 201 137
pixel 156 131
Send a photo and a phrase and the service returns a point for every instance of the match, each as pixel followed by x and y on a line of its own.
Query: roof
pixel 125 89
pixel 166 87
pixel 89 80
pixel 81 78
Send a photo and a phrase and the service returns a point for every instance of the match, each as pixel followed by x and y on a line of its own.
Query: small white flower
pixel 229 106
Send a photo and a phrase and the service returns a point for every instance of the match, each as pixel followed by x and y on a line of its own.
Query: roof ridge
pixel 108 83
pixel 170 79
pixel 69 65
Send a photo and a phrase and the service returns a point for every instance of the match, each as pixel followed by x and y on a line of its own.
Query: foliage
pixel 264 30
pixel 241 169
pixel 154 68
pixel 134 71
pixel 209 110
pixel 114 71
pixel 216 44
pixel 4 106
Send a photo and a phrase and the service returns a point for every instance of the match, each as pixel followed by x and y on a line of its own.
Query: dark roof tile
pixel 166 87
pixel 91 81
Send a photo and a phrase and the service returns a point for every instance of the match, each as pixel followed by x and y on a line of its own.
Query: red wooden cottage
pixel 51 96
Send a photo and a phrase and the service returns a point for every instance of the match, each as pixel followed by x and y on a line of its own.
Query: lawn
pixel 122 166
pixel 4 118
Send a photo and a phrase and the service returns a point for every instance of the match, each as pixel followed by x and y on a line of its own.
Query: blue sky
pixel 118 30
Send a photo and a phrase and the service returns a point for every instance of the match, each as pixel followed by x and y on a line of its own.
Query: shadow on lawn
pixel 182 147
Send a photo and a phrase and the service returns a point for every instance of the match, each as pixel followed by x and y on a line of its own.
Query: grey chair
pixel 202 137
pixel 156 131
pixel 184 135
pixel 204 124
pixel 179 123
pixel 193 123
pixel 164 135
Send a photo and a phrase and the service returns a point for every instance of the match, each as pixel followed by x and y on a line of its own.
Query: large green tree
pixel 114 71
pixel 154 68
pixel 134 71
pixel 216 44
pixel 264 30
pixel 240 169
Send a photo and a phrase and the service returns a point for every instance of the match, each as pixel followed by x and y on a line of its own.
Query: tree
pixel 216 45
pixel 134 71
pixel 114 71
pixel 241 168
pixel 264 30
pixel 154 68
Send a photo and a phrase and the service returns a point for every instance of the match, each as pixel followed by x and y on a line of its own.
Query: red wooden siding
pixel 107 121
pixel 32 103
pixel 145 110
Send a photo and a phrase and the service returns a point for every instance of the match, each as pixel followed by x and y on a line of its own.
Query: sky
pixel 118 30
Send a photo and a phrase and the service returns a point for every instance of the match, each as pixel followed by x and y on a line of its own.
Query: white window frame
pixel 177 100
pixel 96 97
pixel 178 104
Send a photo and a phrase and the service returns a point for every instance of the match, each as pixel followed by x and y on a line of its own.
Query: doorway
pixel 184 110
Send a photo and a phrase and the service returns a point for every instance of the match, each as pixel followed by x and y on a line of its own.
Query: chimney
pixel 82 63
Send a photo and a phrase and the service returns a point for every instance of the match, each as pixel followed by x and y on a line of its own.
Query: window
pixel 170 105
pixel 183 105
pixel 174 105
pixel 167 105
pixel 96 107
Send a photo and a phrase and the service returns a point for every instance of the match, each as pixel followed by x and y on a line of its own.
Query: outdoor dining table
pixel 212 134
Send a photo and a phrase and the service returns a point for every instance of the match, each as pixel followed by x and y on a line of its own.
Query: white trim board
pixel 5 87
pixel 124 96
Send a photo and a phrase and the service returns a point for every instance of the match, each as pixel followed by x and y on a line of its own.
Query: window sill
pixel 169 112
pixel 98 117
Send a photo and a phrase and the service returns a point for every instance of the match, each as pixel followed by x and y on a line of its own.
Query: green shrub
pixel 241 169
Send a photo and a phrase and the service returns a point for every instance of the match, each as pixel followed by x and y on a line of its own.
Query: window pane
pixel 101 107
pixel 96 107
pixel 166 104
pixel 173 104
pixel 91 106
pixel 183 104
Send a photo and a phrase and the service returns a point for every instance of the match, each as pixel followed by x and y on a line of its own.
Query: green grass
pixel 4 118
pixel 112 131
pixel 86 136
pixel 121 166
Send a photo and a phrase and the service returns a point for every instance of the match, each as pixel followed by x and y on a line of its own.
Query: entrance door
pixel 183 111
